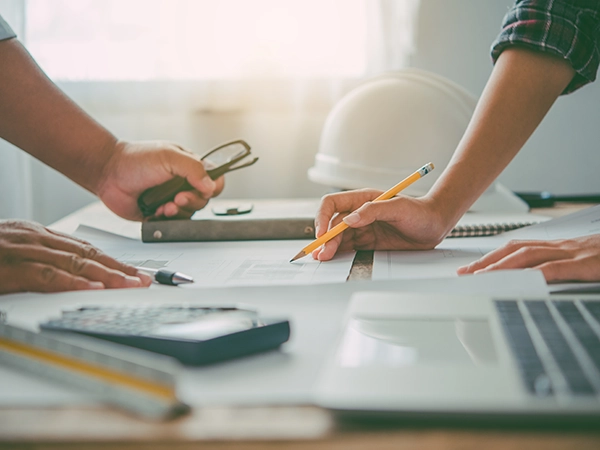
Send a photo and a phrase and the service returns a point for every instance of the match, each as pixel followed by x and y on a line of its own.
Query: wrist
pixel 108 164
pixel 437 219
pixel 446 210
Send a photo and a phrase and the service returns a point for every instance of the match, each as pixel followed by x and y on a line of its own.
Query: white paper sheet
pixel 581 223
pixel 213 264
pixel 440 262
pixel 286 376
pixel 454 253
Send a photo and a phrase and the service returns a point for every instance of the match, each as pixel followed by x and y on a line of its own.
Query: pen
pixel 164 276
pixel 385 196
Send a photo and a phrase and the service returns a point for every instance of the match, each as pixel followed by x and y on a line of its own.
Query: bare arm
pixel 523 86
pixel 37 117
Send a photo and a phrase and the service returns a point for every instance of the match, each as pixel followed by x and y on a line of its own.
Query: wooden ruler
pixel 138 381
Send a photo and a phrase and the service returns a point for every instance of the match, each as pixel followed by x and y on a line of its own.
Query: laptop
pixel 455 356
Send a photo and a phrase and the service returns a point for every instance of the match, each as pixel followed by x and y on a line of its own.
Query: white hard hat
pixel 390 126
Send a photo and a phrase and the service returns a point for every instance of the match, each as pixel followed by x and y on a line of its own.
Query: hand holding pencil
pixel 345 202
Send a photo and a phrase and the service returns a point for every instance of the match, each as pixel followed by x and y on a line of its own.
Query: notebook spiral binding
pixel 486 230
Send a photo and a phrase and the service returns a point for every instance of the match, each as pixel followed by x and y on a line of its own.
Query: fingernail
pixel 352 219
pixel 146 279
pixel 96 285
pixel 132 281
pixel 182 201
pixel 208 183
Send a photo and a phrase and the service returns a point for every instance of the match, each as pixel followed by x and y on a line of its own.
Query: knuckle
pixel 328 202
pixel 76 264
pixel 527 251
pixel 514 244
pixel 9 254
pixel 115 278
pixel 48 274
pixel 90 252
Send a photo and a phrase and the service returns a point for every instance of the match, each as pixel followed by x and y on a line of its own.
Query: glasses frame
pixel 221 170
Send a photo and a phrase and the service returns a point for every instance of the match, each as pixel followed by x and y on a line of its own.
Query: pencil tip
pixel 298 256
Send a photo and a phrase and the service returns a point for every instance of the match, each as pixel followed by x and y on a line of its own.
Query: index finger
pixel 328 249
pixel 341 202
pixel 72 244
pixel 499 254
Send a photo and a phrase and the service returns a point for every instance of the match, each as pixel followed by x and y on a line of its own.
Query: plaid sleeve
pixel 5 31
pixel 566 28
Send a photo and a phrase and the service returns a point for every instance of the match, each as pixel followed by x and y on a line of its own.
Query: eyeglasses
pixel 225 158
pixel 228 157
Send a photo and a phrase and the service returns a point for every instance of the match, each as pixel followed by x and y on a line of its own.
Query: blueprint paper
pixel 213 264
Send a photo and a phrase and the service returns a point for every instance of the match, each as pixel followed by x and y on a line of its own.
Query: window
pixel 133 40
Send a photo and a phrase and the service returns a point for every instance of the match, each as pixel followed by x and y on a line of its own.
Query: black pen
pixel 164 276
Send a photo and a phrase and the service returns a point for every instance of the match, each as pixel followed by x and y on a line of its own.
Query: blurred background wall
pixel 451 38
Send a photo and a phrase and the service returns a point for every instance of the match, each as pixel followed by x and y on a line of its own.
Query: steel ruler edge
pixel 138 381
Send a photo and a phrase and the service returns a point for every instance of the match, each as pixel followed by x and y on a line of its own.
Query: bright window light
pixel 197 39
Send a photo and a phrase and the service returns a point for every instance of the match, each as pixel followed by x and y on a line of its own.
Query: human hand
pixel 135 167
pixel 36 259
pixel 559 260
pixel 401 223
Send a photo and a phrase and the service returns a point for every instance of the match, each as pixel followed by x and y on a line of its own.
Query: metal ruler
pixel 138 381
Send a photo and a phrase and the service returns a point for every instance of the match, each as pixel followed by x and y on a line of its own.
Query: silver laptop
pixel 466 355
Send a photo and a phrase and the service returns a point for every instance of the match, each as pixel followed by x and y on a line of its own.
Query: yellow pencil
pixel 385 196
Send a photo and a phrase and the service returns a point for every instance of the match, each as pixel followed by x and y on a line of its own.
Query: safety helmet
pixel 389 126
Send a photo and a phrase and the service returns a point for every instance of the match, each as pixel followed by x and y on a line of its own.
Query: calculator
pixel 195 335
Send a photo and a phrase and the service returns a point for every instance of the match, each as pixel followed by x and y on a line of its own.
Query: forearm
pixel 522 88
pixel 38 118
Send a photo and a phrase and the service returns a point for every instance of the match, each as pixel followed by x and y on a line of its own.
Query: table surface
pixel 290 427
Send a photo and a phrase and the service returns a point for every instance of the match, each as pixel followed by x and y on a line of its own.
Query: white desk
pixel 254 427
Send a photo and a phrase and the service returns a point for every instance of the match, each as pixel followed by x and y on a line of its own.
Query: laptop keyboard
pixel 535 331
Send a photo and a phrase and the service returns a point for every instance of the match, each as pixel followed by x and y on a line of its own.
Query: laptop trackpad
pixel 407 342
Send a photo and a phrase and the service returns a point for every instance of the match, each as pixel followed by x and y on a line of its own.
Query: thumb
pixel 190 168
pixel 371 212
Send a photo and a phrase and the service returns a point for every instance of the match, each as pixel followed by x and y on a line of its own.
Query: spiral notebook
pixel 478 224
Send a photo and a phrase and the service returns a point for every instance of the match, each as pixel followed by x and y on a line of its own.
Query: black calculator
pixel 195 335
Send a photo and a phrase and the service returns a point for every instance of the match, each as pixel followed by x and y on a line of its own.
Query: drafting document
pixel 439 262
pixel 454 253
pixel 285 376
pixel 216 264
